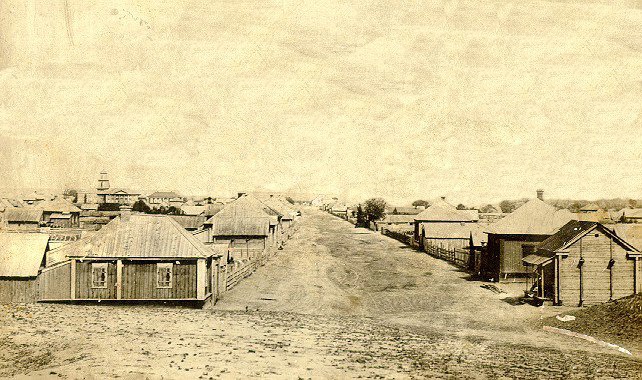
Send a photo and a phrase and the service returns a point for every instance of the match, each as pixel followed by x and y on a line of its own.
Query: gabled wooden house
pixel 246 223
pixel 585 263
pixel 22 257
pixel 23 219
pixel 517 236
pixel 440 212
pixel 133 258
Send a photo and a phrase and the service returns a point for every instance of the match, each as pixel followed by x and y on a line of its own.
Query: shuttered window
pixel 99 275
pixel 164 275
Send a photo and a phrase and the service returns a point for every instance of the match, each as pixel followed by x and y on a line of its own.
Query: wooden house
pixel 133 258
pixel 517 236
pixel 247 224
pixel 165 199
pixel 59 213
pixel 394 220
pixel 22 257
pixel 440 211
pixel 23 219
pixel 585 263
pixel 288 214
pixel 454 235
pixel 631 215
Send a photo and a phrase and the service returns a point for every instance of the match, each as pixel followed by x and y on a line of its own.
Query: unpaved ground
pixel 337 302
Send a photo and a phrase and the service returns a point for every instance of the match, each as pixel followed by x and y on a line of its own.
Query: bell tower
pixel 103 181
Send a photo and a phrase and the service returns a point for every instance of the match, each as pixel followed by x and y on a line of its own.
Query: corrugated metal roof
pixel 279 206
pixel 21 253
pixel 241 227
pixel 632 212
pixel 533 218
pixel 573 230
pixel 392 218
pixel 164 194
pixel 143 236
pixel 631 232
pixel 23 214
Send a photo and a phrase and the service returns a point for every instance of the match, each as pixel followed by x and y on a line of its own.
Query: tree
pixel 507 206
pixel 375 209
pixel 395 212
pixel 461 207
pixel 71 193
pixel 141 206
pixel 109 207
pixel 488 209
pixel 361 217
pixel 420 202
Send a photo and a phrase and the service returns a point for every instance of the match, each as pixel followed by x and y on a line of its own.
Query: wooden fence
pixel 404 238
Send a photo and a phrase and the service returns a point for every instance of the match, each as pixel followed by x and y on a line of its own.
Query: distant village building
pixel 632 215
pixel 407 220
pixel 60 213
pixel 438 214
pixel 104 193
pixel 134 257
pixel 22 257
pixel 585 263
pixel 23 218
pixel 165 199
pixel 517 236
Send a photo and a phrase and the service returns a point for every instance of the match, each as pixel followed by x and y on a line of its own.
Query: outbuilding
pixel 22 257
pixel 585 263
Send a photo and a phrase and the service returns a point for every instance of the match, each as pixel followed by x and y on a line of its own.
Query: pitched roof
pixel 632 212
pixel 405 210
pixel 189 221
pixel 164 194
pixel 283 209
pixel 573 230
pixel 246 216
pixel 21 253
pixel 401 218
pixel 57 205
pixel 142 236
pixel 450 230
pixel 115 190
pixel 213 209
pixel 590 207
pixel 23 214
pixel 533 218
pixel 442 211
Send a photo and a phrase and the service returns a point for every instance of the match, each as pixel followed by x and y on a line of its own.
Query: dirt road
pixel 337 302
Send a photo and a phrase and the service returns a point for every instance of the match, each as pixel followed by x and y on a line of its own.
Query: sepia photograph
pixel 320 189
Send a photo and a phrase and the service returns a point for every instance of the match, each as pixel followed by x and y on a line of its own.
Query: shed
pixel 136 258
pixel 585 263
pixel 22 256
pixel 516 236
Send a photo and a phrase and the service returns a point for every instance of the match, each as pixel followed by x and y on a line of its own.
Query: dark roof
pixel 571 232
pixel 23 214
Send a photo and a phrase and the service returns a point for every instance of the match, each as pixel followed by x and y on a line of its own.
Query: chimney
pixel 540 194
pixel 125 213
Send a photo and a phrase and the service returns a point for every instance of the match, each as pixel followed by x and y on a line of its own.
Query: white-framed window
pixel 99 275
pixel 164 275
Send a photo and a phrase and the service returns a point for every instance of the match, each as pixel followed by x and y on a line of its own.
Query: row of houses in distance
pixel 147 257
pixel 566 258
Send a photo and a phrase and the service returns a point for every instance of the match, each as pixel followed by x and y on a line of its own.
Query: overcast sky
pixel 477 101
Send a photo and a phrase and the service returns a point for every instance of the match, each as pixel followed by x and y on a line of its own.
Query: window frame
pixel 164 284
pixel 104 267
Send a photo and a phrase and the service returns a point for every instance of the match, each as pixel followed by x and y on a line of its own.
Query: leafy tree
pixel 171 210
pixel 461 207
pixel 487 209
pixel 395 212
pixel 141 206
pixel 420 202
pixel 361 217
pixel 71 193
pixel 507 206
pixel 375 209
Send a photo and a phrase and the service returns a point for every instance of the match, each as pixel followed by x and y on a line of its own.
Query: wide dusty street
pixel 337 302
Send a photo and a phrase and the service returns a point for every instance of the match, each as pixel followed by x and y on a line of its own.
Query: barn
pixel 22 256
pixel 585 263
pixel 516 236
pixel 133 258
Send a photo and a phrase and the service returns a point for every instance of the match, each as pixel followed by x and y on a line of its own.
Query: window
pixel 99 275
pixel 164 275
